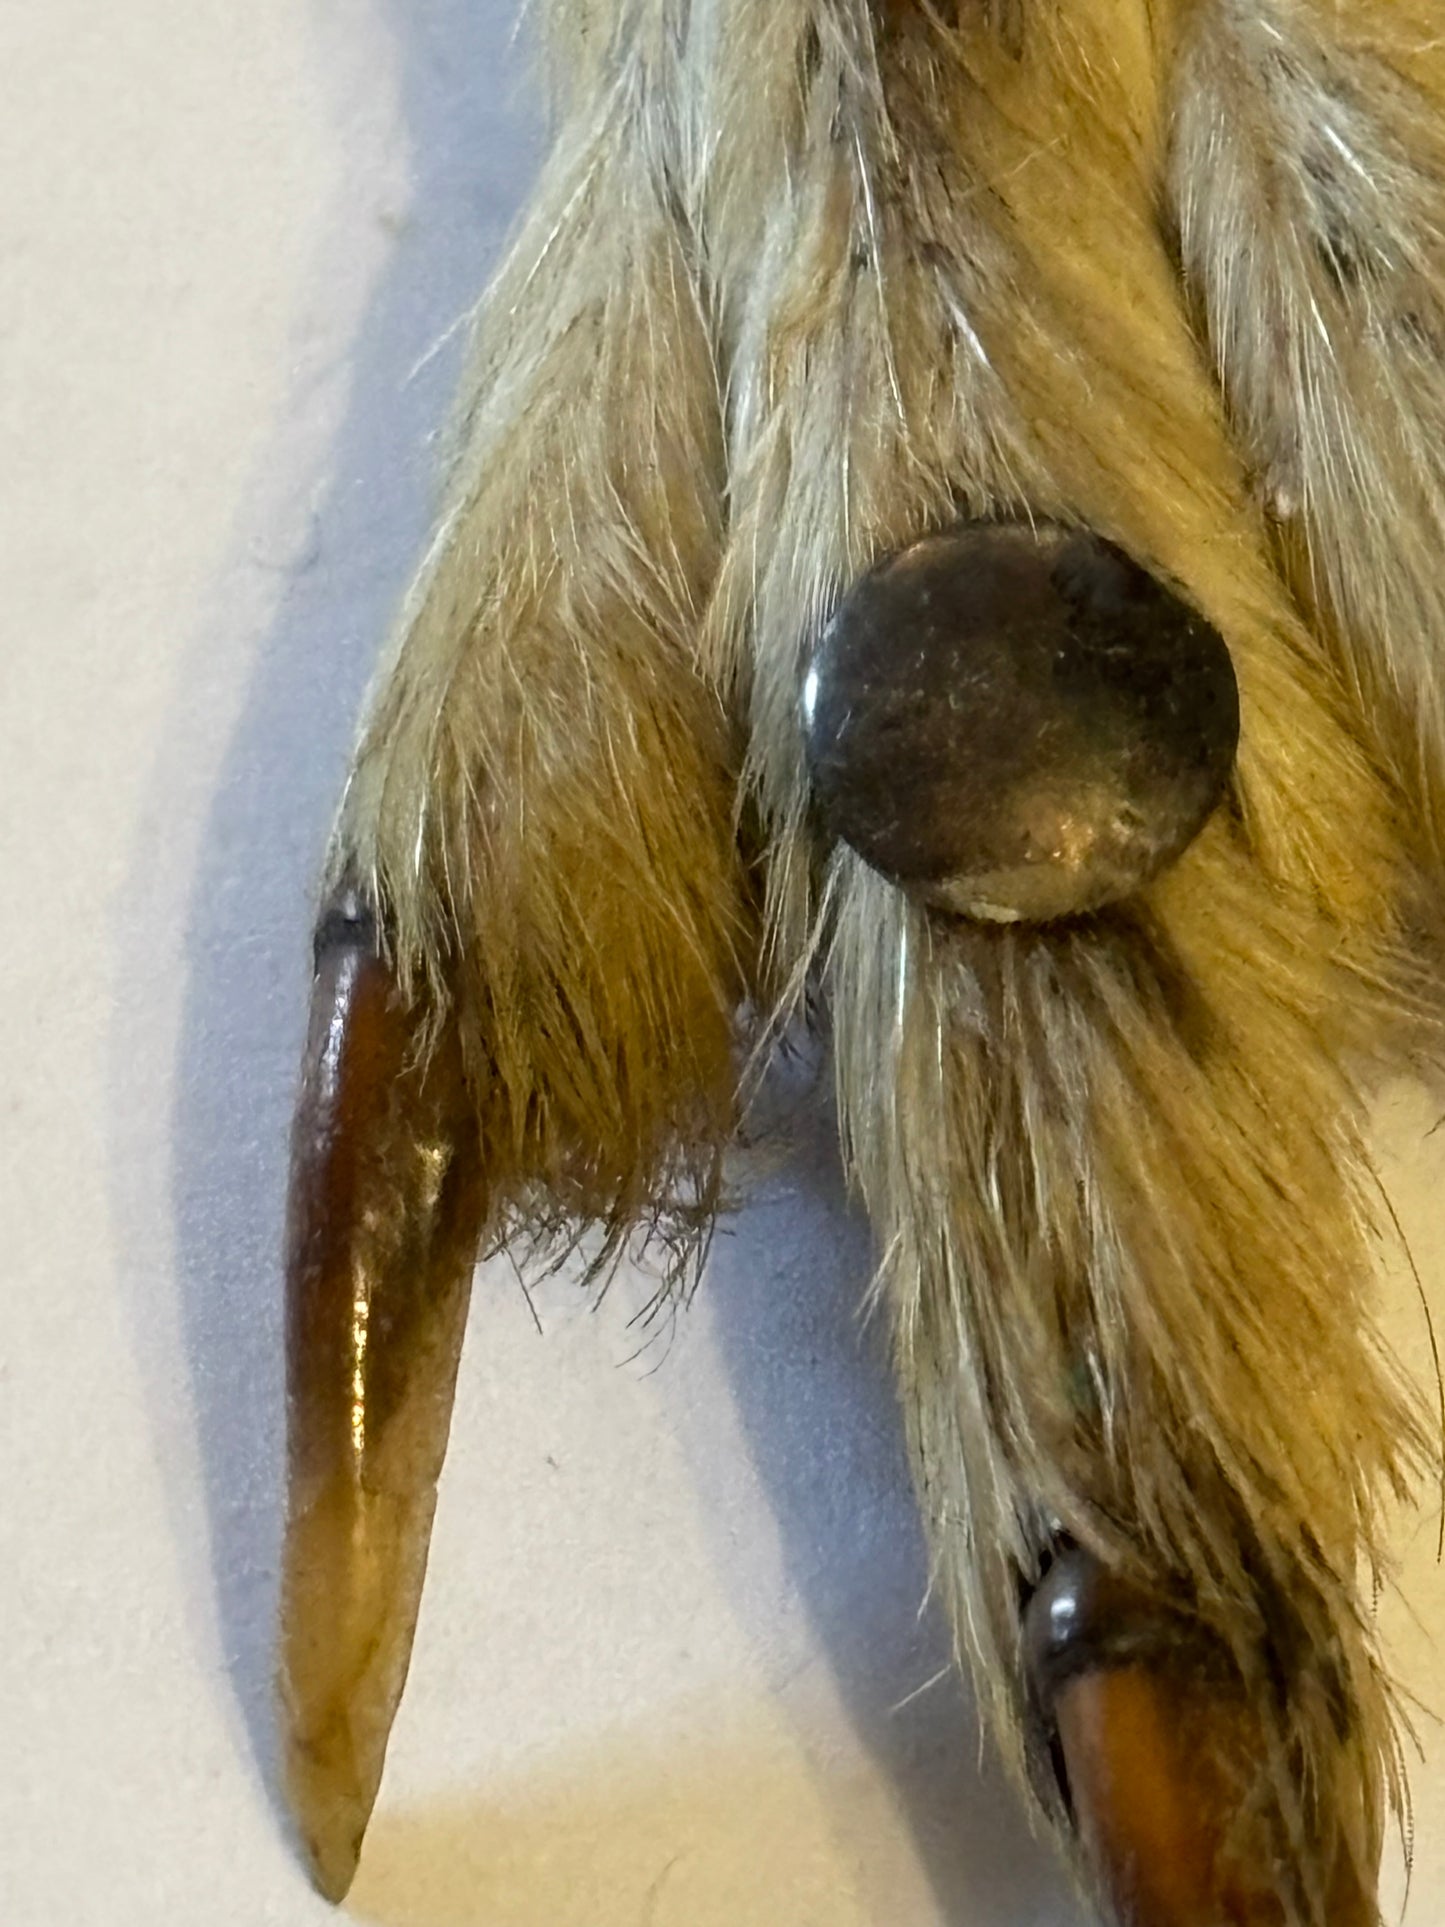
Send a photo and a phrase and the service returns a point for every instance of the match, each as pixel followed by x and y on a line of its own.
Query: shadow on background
pixel 741 1831
pixel 341 571
pixel 786 1291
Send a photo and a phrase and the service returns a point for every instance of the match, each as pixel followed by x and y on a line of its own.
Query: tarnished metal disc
pixel 1018 722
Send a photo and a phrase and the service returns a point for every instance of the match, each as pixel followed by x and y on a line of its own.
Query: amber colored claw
pixel 1152 1769
pixel 385 1213
pixel 1157 1743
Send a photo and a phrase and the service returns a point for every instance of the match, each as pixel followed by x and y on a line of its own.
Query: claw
pixel 385 1214
pixel 1158 1746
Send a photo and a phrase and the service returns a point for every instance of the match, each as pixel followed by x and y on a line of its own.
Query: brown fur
pixel 802 282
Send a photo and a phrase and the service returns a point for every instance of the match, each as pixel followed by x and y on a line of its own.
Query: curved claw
pixel 385 1214
pixel 1157 1745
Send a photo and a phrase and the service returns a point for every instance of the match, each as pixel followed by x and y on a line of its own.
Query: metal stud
pixel 1018 722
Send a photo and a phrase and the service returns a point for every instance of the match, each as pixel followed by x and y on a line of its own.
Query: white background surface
pixel 673 1612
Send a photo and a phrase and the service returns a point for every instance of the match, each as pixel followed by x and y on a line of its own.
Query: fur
pixel 803 280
